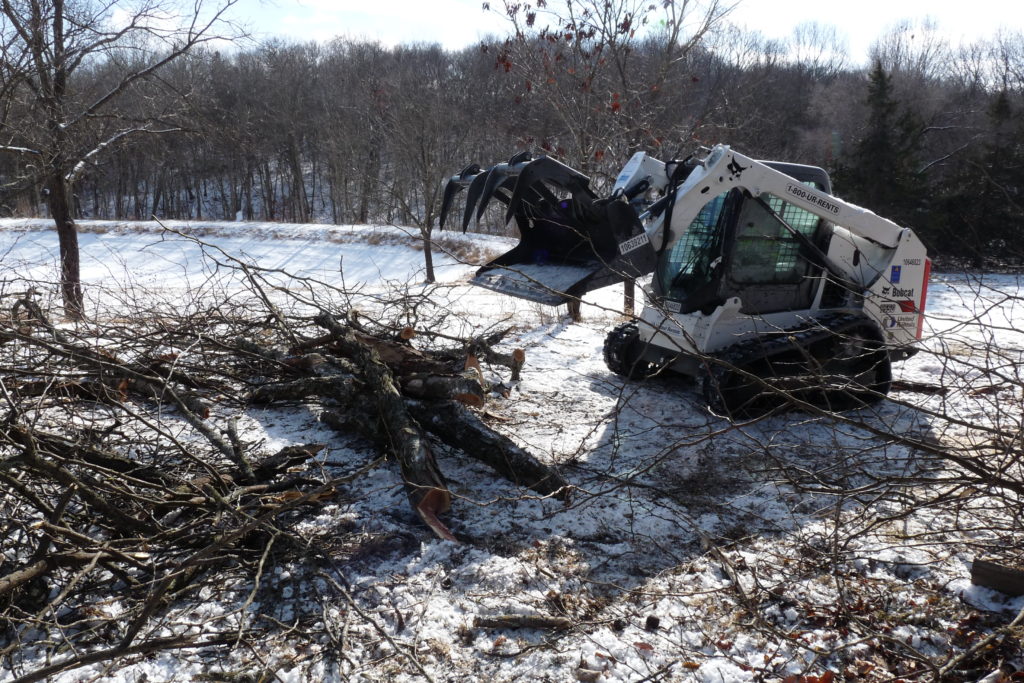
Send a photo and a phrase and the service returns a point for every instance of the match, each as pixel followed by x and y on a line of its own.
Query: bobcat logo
pixel 735 169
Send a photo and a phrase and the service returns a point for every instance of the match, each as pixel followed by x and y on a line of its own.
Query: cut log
pixel 433 387
pixel 918 387
pixel 342 388
pixel 425 487
pixel 286 458
pixel 998 577
pixel 390 393
pixel 461 428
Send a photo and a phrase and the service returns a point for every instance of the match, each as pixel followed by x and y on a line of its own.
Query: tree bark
pixel 425 486
pixel 573 306
pixel 461 428
pixel 67 236
pixel 428 255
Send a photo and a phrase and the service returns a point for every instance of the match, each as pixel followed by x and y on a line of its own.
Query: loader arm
pixel 761 177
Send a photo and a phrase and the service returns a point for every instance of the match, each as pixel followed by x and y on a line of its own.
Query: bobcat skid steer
pixel 766 287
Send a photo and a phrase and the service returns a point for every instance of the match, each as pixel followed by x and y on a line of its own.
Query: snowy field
pixel 798 547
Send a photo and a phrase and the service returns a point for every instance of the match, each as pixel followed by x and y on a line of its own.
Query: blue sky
pixel 457 23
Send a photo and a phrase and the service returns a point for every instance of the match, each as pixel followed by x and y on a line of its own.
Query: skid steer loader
pixel 764 285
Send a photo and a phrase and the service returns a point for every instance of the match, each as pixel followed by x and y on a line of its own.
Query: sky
pixel 459 23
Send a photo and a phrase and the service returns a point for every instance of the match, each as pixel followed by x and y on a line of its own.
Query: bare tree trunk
pixel 67 236
pixel 300 200
pixel 249 212
pixel 158 193
pixel 120 192
pixel 367 183
pixel 236 200
pixel 428 255
pixel 573 305
pixel 269 196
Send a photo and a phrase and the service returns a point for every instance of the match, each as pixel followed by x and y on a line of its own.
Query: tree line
pixel 929 134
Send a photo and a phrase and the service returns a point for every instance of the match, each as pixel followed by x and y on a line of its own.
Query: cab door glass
pixel 765 251
pixel 688 265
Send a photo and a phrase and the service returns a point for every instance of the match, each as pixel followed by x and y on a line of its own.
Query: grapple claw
pixel 503 192
pixel 569 245
pixel 546 170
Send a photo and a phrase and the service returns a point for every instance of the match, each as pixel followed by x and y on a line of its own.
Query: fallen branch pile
pixel 125 462
pixel 391 393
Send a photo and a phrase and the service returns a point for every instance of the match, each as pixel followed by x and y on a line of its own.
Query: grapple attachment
pixel 571 241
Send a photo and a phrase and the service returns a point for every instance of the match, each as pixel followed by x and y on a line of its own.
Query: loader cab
pixel 739 245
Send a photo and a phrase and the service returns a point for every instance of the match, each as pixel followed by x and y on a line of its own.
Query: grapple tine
pixel 500 175
pixel 472 196
pixel 506 184
pixel 452 188
pixel 495 177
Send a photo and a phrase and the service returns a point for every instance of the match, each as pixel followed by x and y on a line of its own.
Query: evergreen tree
pixel 982 214
pixel 882 170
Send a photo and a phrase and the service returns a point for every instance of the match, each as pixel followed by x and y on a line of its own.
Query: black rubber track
pixel 836 362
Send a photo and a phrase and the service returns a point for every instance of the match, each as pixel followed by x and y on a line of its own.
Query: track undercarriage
pixel 836 362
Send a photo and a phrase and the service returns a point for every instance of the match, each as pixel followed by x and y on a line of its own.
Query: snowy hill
pixel 692 549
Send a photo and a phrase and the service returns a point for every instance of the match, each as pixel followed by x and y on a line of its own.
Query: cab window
pixel 765 251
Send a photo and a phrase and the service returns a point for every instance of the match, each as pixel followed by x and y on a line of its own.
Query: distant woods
pixel 930 135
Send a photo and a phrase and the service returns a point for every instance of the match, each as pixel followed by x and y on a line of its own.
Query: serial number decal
pixel 633 243
pixel 805 193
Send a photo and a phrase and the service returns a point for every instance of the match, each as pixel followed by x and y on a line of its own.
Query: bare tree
pixel 67 124
pixel 600 69
pixel 603 67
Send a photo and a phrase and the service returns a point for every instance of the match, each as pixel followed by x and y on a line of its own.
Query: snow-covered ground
pixel 693 549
